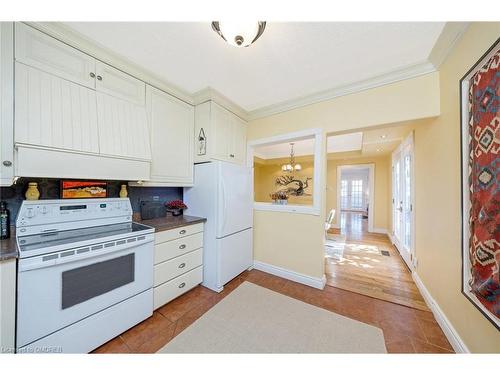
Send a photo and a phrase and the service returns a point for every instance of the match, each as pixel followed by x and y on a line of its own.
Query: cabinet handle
pixel 7 163
pixel 92 75
pixel 182 265
pixel 231 155
pixel 182 231
pixel 182 246
pixel 182 285
pixel 99 78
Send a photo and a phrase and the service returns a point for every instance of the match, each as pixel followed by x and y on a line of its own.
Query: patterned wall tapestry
pixel 483 205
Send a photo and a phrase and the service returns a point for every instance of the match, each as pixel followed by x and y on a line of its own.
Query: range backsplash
pixel 50 189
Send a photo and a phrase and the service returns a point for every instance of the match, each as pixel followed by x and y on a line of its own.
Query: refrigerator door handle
pixel 224 203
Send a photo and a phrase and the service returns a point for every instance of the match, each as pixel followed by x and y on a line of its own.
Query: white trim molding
pixel 380 230
pixel 319 156
pixel 408 72
pixel 448 329
pixel 315 282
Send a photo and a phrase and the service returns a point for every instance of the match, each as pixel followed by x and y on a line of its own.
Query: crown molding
pixel 76 40
pixel 210 93
pixel 408 72
pixel 451 34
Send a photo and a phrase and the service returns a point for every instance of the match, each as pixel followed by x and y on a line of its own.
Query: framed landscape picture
pixel 480 146
pixel 71 189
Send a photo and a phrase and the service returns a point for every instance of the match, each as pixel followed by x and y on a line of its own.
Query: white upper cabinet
pixel 171 123
pixel 39 50
pixel 6 103
pixel 219 134
pixel 53 112
pixel 119 84
pixel 123 128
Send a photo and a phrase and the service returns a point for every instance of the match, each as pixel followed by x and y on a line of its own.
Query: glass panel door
pixel 402 175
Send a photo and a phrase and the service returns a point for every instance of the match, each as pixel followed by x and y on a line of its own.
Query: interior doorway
pixel 355 198
pixel 403 215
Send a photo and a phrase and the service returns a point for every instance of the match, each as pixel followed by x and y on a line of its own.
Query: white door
pixel 222 132
pixel 123 128
pixel 6 104
pixel 235 255
pixel 402 187
pixel 119 84
pixel 239 143
pixel 39 50
pixel 235 203
pixel 171 123
pixel 54 112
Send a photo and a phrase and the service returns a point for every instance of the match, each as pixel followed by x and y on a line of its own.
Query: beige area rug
pixel 253 319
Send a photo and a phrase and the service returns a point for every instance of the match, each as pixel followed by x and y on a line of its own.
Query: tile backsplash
pixel 50 189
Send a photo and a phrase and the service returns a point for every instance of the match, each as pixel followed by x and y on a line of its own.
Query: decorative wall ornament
pixel 480 131
pixel 293 186
pixel 202 143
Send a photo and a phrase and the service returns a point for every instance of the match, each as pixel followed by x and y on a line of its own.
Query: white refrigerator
pixel 222 193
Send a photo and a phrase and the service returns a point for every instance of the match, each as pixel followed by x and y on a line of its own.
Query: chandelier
pixel 239 34
pixel 291 166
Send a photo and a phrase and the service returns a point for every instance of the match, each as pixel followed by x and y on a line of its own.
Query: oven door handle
pixel 29 264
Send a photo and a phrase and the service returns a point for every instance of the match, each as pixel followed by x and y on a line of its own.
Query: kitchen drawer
pixel 174 267
pixel 172 234
pixel 168 291
pixel 168 250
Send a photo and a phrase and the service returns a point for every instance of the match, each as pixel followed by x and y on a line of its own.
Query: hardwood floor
pixel 363 269
pixel 406 330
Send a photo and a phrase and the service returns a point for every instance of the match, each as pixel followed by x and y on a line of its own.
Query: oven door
pixel 55 293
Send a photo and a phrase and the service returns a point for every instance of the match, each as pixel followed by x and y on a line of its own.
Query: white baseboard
pixel 391 237
pixel 315 282
pixel 379 230
pixel 449 331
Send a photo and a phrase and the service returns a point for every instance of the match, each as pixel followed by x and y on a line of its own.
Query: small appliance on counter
pixel 85 273
pixel 152 210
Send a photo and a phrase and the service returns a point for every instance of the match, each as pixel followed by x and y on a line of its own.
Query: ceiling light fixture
pixel 292 166
pixel 383 136
pixel 239 34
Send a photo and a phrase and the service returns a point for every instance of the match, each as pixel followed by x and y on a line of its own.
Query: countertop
pixel 170 222
pixel 8 249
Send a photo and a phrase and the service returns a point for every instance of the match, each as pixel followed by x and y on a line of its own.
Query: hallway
pixel 368 264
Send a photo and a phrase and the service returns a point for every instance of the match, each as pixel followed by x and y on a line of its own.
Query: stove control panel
pixel 50 215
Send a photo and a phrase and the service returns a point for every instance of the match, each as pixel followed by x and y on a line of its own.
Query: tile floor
pixel 406 330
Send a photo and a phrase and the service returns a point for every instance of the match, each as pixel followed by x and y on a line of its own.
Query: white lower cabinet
pixel 8 305
pixel 178 262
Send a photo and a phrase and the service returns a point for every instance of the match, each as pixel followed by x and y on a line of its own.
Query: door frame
pixel 407 142
pixel 371 198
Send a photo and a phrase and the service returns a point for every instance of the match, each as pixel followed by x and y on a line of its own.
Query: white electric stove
pixel 85 273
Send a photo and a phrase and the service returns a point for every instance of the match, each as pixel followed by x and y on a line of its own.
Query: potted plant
pixel 175 207
pixel 280 197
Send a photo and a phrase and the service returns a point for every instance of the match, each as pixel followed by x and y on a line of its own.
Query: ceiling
pixel 374 142
pixel 290 60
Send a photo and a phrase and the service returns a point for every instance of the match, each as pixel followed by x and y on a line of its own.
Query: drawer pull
pixel 183 246
pixel 182 285
pixel 182 265
pixel 182 231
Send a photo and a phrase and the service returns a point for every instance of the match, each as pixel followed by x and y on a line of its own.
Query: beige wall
pixel 295 241
pixel 382 194
pixel 438 226
pixel 266 172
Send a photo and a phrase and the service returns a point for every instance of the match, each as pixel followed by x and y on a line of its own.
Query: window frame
pixel 319 157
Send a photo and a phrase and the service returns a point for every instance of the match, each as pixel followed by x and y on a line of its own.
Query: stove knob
pixel 43 210
pixel 30 212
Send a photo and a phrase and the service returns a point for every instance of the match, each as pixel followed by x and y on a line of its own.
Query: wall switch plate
pixel 156 198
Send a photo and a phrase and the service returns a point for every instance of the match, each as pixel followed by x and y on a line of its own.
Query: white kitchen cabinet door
pixel 171 123
pixel 123 128
pixel 239 143
pixel 53 112
pixel 116 83
pixel 6 103
pixel 39 50
pixel 221 132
